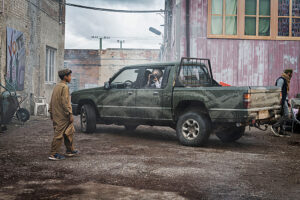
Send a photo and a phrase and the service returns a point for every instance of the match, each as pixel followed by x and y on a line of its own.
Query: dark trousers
pixel 285 116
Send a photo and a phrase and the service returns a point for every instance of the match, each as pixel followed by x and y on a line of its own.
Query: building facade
pixel 85 66
pixel 91 68
pixel 32 35
pixel 249 42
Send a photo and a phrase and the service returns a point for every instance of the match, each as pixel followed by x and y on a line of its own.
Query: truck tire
pixel 192 129
pixel 23 114
pixel 231 134
pixel 88 119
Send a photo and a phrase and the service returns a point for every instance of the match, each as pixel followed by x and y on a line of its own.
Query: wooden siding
pixel 234 61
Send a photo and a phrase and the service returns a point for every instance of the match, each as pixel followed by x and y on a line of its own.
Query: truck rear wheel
pixel 192 129
pixel 88 118
pixel 231 134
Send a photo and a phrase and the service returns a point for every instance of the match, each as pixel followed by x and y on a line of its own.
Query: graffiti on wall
pixel 15 58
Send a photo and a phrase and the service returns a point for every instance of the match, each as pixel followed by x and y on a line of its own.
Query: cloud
pixel 81 24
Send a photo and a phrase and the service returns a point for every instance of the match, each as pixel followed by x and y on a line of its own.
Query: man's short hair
pixel 160 72
pixel 288 71
pixel 63 73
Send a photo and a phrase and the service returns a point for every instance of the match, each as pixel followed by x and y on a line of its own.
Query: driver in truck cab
pixel 155 79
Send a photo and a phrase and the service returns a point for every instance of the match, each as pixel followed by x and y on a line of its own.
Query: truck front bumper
pixel 75 109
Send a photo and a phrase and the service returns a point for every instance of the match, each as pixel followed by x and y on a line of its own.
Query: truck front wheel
pixel 88 118
pixel 192 129
pixel 231 134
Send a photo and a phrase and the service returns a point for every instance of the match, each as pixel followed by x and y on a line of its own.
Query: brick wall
pixel 40 29
pixel 112 60
pixel 91 68
pixel 85 65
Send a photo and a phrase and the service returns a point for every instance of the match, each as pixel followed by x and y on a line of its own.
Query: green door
pixel 119 99
pixel 153 100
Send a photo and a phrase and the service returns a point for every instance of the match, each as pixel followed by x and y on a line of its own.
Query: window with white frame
pixel 50 64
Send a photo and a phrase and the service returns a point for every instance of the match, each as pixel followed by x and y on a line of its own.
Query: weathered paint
pixel 234 61
pixel 140 105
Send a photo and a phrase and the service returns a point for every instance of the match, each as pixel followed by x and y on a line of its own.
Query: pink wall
pixel 236 62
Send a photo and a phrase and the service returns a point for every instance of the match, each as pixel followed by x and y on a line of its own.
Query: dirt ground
pixel 148 163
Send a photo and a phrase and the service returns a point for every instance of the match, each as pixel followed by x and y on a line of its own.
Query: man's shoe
pixel 72 153
pixel 56 157
pixel 275 131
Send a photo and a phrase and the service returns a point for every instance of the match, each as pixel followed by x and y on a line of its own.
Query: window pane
pixel 194 76
pixel 217 7
pixel 250 26
pixel 283 7
pixel 230 25
pixel 296 8
pixel 51 64
pixel 231 6
pixel 264 26
pixel 126 75
pixel 250 7
pixel 216 25
pixel 154 78
pixel 47 64
pixel 296 28
pixel 283 27
pixel 264 7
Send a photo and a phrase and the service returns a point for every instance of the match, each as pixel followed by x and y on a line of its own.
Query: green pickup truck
pixel 182 95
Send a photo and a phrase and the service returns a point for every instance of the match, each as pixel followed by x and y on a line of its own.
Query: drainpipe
pixel 187 27
pixel 2 11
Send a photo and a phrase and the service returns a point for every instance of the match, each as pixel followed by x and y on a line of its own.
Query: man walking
pixel 284 83
pixel 61 114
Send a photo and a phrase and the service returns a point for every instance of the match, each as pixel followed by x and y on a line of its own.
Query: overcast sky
pixel 81 24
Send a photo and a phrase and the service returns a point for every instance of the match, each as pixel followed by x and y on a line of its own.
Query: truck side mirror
pixel 106 85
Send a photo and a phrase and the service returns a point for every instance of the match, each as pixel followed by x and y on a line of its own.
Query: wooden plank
pixel 209 17
pixel 257 17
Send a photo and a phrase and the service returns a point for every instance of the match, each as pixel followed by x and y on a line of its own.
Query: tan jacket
pixel 60 108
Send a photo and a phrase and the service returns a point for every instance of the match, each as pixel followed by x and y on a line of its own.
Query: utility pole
pixel 100 44
pixel 121 42
pixel 100 40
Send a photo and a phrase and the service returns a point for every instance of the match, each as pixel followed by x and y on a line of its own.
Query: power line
pixel 136 38
pixel 113 10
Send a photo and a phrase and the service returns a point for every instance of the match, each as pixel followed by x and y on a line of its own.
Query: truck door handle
pixel 130 93
pixel 155 93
